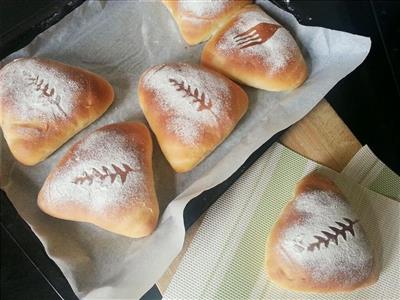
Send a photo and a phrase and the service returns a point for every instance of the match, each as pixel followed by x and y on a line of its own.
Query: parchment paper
pixel 119 40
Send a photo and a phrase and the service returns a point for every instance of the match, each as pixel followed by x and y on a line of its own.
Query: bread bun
pixel 252 48
pixel 43 103
pixel 198 20
pixel 190 109
pixel 318 243
pixel 106 179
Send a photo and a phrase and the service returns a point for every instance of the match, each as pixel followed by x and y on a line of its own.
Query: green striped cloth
pixel 226 257
pixel 369 171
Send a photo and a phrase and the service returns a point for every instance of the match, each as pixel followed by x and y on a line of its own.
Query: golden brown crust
pixel 198 21
pixel 125 205
pixel 288 273
pixel 44 103
pixel 213 129
pixel 254 49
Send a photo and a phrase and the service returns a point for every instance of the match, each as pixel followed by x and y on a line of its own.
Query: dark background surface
pixel 368 101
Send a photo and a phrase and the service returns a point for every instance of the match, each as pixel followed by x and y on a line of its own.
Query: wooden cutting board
pixel 320 136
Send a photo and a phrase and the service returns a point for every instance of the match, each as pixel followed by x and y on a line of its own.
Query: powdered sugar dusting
pixel 193 97
pixel 189 134
pixel 33 91
pixel 105 172
pixel 346 258
pixel 203 8
pixel 274 54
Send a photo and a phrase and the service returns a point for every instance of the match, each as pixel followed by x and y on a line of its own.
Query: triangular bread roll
pixel 43 103
pixel 318 243
pixel 254 49
pixel 199 19
pixel 106 179
pixel 190 109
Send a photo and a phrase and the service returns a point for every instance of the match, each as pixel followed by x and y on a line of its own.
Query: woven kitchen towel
pixel 226 257
pixel 369 171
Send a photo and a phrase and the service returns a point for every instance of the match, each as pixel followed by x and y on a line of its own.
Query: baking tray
pixel 18 36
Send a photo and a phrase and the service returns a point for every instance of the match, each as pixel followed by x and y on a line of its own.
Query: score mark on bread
pixel 119 197
pixel 43 103
pixel 256 35
pixel 201 99
pixel 104 173
pixel 333 237
pixel 254 49
pixel 318 244
pixel 46 91
pixel 190 109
